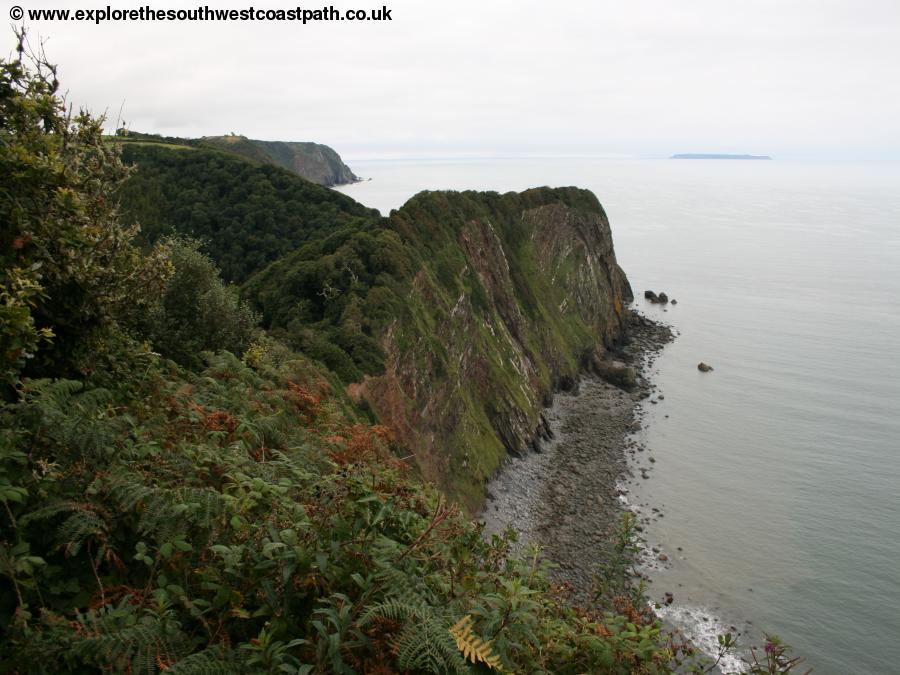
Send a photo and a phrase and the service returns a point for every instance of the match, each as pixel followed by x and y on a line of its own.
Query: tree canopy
pixel 247 215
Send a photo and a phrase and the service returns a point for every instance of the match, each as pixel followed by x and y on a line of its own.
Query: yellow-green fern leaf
pixel 474 649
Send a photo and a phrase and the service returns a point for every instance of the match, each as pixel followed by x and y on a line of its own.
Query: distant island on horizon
pixel 707 155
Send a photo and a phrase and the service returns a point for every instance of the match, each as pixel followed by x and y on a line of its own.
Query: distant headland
pixel 705 155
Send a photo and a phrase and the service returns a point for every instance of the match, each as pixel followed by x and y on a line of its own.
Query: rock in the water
pixel 704 367
pixel 674 301
pixel 660 299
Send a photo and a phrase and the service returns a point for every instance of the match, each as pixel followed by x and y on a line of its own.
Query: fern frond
pixel 73 416
pixel 53 509
pixel 204 506
pixel 136 647
pixel 78 528
pixel 128 489
pixel 85 520
pixel 215 660
pixel 166 512
pixel 405 587
pixel 53 390
pixel 397 610
pixel 425 645
pixel 473 648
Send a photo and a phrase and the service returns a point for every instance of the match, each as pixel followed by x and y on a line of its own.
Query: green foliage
pixel 332 298
pixel 236 520
pixel 329 299
pixel 197 312
pixel 240 518
pixel 69 271
pixel 616 573
pixel 247 215
pixel 775 659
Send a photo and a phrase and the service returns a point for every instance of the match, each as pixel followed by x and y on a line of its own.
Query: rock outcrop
pixel 515 295
pixel 660 299
pixel 615 372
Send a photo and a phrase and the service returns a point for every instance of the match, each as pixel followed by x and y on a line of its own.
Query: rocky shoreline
pixel 567 493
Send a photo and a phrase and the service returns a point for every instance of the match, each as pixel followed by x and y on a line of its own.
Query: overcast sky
pixel 798 78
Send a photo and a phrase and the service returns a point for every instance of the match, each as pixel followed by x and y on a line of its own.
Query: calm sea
pixel 779 472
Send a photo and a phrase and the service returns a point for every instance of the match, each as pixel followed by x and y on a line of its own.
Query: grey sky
pixel 807 78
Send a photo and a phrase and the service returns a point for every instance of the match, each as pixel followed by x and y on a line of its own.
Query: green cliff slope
pixel 514 293
pixel 502 298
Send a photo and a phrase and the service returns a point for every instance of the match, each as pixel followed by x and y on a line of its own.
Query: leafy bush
pixel 69 271
pixel 197 312
pixel 333 297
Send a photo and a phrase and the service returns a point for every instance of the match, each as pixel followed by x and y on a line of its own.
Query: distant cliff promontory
pixel 313 161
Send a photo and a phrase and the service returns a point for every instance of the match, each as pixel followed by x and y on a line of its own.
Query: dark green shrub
pixel 197 311
pixel 68 270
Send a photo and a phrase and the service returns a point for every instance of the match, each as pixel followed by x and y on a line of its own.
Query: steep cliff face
pixel 514 294
pixel 313 161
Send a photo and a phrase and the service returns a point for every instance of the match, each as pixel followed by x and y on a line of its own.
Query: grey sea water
pixel 779 472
